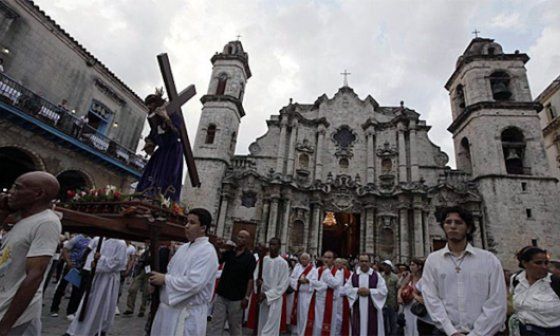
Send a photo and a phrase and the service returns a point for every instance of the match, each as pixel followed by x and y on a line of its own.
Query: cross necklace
pixel 458 262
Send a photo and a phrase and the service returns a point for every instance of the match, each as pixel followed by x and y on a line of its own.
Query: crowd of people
pixel 205 288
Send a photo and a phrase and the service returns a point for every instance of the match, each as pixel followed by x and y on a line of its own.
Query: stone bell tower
pixel 497 139
pixel 216 137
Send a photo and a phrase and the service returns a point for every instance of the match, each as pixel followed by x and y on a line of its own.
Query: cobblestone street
pixel 131 326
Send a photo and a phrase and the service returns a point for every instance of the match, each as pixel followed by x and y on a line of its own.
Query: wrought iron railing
pixel 59 117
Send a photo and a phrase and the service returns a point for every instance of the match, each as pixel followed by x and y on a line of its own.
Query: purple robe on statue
pixel 164 171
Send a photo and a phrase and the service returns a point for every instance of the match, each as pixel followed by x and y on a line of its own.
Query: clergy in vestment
pixel 186 288
pixel 300 281
pixel 322 316
pixel 274 282
pixel 367 292
pixel 102 302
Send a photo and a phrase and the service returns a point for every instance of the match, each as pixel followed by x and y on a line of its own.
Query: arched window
pixel 499 82
pixel 344 163
pixel 210 134
pixel 15 162
pixel 233 142
pixel 513 145
pixel 466 155
pixel 386 165
pixel 222 80
pixel 303 161
pixel 241 91
pixel 460 96
pixel 72 180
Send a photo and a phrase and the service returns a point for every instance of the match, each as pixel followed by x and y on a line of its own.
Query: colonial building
pixel 49 82
pixel 351 174
pixel 550 124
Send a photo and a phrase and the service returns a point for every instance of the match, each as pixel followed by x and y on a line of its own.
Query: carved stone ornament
pixel 441 159
pixel 305 146
pixel 254 148
pixel 249 199
pixel 387 151
pixel 344 137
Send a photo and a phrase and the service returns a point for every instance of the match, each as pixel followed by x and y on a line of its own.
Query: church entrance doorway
pixel 343 237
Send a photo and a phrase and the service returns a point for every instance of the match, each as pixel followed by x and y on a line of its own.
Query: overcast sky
pixel 394 50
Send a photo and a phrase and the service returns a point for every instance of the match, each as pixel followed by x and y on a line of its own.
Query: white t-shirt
pixel 34 236
pixel 130 251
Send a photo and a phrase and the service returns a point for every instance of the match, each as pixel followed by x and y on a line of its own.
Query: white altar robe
pixel 304 297
pixel 187 291
pixel 321 285
pixel 378 296
pixel 104 293
pixel 275 278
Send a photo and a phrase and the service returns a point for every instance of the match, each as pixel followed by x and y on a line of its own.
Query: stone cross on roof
pixel 345 74
pixel 476 32
pixel 238 37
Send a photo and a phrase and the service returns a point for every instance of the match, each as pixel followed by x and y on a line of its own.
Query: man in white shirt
pixel 463 286
pixel 274 282
pixel 186 289
pixel 26 251
pixel 367 293
pixel 300 281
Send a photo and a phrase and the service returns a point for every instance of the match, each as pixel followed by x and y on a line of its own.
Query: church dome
pixel 481 46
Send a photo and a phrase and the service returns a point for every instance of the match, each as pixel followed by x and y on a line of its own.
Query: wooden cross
pixel 476 32
pixel 174 106
pixel 345 74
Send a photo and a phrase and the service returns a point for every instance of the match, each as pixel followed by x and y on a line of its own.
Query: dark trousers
pixel 390 321
pixel 532 330
pixel 75 297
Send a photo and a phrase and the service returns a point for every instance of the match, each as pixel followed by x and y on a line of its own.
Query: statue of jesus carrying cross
pixel 168 140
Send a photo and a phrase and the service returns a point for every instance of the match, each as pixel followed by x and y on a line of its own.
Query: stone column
pixel 318 161
pixel 281 145
pixel 306 230
pixel 414 167
pixel 363 230
pixel 478 234
pixel 426 228
pixel 370 154
pixel 222 215
pixel 264 221
pixel 272 219
pixel 402 154
pixel 292 149
pixel 405 240
pixel 285 224
pixel 370 230
pixel 314 229
pixel 418 234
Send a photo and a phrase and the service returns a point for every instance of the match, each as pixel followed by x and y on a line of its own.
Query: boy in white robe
pixel 275 281
pixel 327 292
pixel 368 297
pixel 102 302
pixel 186 289
pixel 300 280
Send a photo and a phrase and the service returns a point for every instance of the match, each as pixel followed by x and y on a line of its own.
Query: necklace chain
pixel 460 262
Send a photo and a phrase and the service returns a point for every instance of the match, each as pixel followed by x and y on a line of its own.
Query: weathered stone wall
pixel 45 60
pixel 56 158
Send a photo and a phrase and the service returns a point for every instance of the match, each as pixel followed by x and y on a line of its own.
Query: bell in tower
pixel 499 82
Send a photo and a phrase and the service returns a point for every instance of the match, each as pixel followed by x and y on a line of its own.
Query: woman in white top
pixel 536 294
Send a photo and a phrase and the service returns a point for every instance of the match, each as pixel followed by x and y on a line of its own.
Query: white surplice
pixel 321 285
pixel 377 295
pixel 104 293
pixel 304 296
pixel 187 291
pixel 275 278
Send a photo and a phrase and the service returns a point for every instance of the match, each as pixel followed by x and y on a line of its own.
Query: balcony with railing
pixel 32 111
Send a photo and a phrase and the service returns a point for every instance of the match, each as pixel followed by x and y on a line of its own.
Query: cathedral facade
pixel 352 175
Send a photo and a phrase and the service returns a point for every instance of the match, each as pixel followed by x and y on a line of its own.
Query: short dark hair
pixel 526 254
pixel 278 240
pixel 465 215
pixel 204 217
